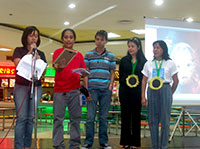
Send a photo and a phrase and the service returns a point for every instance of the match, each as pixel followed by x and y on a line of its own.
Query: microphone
pixel 34 50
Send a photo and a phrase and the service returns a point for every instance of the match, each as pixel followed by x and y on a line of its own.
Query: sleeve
pixel 16 54
pixel 86 61
pixel 173 69
pixel 112 62
pixel 55 55
pixel 145 69
pixel 82 64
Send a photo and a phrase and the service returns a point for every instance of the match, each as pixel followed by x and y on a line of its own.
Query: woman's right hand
pixel 60 65
pixel 144 102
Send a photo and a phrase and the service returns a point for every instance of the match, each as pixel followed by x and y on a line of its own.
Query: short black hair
pixel 163 45
pixel 68 29
pixel 102 33
pixel 27 31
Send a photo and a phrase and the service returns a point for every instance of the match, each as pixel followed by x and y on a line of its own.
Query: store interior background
pixel 89 16
pixel 86 18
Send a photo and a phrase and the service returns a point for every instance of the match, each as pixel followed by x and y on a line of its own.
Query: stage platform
pixel 177 143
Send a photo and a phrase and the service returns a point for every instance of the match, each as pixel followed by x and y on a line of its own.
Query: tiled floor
pixel 44 139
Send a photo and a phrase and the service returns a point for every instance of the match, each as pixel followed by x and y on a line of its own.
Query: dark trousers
pixel 130 121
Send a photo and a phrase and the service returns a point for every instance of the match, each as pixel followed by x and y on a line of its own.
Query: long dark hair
pixel 140 55
pixel 27 31
pixel 163 45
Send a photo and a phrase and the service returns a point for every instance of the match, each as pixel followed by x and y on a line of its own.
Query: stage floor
pixel 177 143
pixel 44 139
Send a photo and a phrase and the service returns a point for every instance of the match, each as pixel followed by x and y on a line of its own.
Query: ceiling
pixel 92 15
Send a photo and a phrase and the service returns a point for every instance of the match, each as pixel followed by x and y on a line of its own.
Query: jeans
pixel 159 108
pixel 103 96
pixel 25 115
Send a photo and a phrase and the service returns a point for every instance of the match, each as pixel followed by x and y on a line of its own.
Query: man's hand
pixel 88 99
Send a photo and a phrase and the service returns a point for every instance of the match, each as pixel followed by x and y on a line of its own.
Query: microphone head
pixel 34 49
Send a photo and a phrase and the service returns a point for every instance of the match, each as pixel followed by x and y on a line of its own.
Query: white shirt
pixel 167 70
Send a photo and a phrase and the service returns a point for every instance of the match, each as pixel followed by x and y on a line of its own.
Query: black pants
pixel 130 121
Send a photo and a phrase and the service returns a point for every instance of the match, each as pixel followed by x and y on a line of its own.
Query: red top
pixel 66 80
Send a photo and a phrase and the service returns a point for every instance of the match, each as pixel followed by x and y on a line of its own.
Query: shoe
pixel 125 147
pixel 86 146
pixel 105 146
pixel 133 147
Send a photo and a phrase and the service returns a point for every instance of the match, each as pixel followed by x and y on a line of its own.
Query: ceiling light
pixel 189 19
pixel 138 31
pixel 5 49
pixel 66 23
pixel 72 6
pixel 158 2
pixel 112 35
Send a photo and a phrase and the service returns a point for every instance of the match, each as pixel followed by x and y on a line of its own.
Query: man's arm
pixel 112 78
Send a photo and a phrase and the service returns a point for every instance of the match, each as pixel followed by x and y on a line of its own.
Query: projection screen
pixel 183 41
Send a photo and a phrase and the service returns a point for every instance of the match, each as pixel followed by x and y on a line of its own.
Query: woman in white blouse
pixel 159 73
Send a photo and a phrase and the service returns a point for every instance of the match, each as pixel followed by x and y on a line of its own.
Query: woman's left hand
pixel 37 56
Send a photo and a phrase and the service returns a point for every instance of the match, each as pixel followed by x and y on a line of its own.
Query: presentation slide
pixel 183 41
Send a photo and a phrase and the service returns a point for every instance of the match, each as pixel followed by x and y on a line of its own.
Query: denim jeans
pixel 159 108
pixel 24 122
pixel 103 96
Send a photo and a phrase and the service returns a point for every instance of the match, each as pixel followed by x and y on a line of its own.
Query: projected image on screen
pixel 184 49
pixel 184 52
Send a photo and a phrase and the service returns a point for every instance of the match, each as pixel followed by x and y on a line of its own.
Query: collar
pixel 105 51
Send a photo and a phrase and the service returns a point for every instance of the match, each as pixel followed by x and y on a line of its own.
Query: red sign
pixel 7 70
